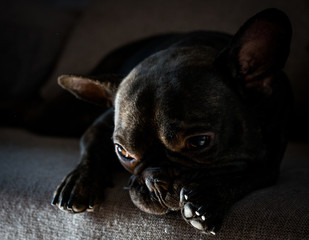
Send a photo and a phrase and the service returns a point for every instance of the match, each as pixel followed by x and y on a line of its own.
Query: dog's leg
pixel 84 186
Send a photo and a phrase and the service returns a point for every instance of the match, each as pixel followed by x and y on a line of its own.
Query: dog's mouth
pixel 154 191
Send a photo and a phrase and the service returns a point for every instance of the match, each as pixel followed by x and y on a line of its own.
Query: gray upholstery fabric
pixel 31 166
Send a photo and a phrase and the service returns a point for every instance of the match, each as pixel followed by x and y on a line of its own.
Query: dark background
pixel 43 39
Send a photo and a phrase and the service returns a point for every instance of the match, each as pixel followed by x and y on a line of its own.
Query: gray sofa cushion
pixel 31 166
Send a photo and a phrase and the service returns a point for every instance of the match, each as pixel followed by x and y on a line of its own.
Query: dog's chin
pixel 153 196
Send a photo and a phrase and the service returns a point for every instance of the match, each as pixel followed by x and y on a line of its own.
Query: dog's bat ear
pixel 259 49
pixel 100 90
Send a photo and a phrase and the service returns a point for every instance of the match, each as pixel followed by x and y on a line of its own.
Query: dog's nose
pixel 156 178
pixel 156 184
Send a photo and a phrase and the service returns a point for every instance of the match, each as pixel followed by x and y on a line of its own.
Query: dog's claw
pixel 201 211
pixel 78 192
pixel 186 197
pixel 212 232
pixel 54 201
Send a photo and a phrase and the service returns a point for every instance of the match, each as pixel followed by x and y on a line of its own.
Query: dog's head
pixel 187 107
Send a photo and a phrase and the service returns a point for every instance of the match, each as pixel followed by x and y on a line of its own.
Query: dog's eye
pixel 199 142
pixel 128 161
pixel 123 153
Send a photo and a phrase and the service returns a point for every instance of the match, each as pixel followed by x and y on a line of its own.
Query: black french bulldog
pixel 199 120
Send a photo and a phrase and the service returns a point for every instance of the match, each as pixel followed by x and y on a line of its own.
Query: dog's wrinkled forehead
pixel 165 87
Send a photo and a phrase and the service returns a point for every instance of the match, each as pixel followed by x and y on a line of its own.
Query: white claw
pixel 90 210
pixel 213 231
pixel 186 197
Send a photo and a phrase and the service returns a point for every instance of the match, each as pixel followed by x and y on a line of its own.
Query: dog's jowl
pixel 199 119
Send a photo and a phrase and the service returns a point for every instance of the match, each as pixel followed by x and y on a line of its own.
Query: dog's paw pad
pixel 194 214
pixel 188 211
pixel 197 224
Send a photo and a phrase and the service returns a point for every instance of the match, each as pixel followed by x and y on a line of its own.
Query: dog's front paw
pixel 79 191
pixel 200 212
